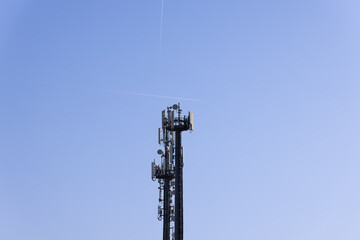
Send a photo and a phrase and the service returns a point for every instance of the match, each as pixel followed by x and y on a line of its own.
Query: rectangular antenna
pixel 191 121
pixel 171 154
pixel 182 155
pixel 153 170
pixel 172 119
pixel 163 118
pixel 159 136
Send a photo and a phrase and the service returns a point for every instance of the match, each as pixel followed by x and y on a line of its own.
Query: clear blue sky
pixel 275 152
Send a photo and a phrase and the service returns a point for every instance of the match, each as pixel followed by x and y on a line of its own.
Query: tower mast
pixel 170 172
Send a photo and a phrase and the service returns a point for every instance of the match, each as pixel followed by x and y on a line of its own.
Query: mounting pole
pixel 166 227
pixel 179 225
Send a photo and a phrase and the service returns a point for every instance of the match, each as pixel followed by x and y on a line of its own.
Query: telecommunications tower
pixel 169 172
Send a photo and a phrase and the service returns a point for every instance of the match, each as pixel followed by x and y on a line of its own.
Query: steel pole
pixel 166 226
pixel 179 228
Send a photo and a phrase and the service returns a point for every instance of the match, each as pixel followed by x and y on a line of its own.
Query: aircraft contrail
pixel 132 93
pixel 159 96
pixel 161 23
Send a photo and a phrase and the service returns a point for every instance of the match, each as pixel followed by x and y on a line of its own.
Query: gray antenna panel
pixel 163 118
pixel 164 135
pixel 171 154
pixel 191 121
pixel 159 139
pixel 172 119
pixel 182 155
pixel 153 170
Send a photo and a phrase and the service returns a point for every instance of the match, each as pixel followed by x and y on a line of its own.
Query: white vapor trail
pixel 161 23
pixel 158 96
pixel 132 93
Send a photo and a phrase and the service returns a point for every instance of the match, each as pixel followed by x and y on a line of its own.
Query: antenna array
pixel 169 171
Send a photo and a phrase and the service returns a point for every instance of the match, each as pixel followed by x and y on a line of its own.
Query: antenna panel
pixel 159 139
pixel 172 119
pixel 153 170
pixel 163 119
pixel 182 155
pixel 171 154
pixel 191 121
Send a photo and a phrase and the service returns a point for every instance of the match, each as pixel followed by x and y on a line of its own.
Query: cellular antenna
pixel 170 172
